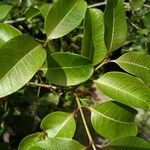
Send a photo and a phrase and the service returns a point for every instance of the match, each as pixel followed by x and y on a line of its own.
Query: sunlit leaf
pixel 59 124
pixel 111 120
pixel 20 59
pixel 63 17
pixel 136 63
pixel 93 45
pixel 7 32
pixel 125 89
pixel 4 10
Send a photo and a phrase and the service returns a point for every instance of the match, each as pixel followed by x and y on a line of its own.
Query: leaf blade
pixel 93 45
pixel 111 120
pixel 125 88
pixel 16 72
pixel 66 15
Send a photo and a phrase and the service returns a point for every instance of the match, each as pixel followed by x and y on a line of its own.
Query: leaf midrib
pixel 34 49
pixel 112 119
pixel 127 93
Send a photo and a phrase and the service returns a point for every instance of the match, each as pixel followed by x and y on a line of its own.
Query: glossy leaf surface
pixel 112 119
pixel 68 69
pixel 115 24
pixel 59 124
pixel 93 45
pixel 7 32
pixel 137 64
pixel 20 59
pixel 63 17
pixel 128 143
pixel 125 89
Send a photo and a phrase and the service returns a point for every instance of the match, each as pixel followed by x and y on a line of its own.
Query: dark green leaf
pixel 125 89
pixel 111 120
pixel 59 124
pixel 115 24
pixel 63 17
pixel 136 63
pixel 7 32
pixel 20 59
pixel 93 45
pixel 128 143
pixel 136 4
pixel 68 69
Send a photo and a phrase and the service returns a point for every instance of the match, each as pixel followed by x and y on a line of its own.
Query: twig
pixel 85 124
pixel 97 4
pixel 42 85
pixel 15 21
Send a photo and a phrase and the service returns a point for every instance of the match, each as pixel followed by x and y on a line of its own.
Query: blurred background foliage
pixel 21 112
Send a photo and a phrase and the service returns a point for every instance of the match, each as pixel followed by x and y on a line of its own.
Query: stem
pixel 97 4
pixel 42 85
pixel 85 124
pixel 103 63
pixel 15 21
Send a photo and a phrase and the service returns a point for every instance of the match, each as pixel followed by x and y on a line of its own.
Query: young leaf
pixel 66 69
pixel 112 119
pixel 125 89
pixel 7 32
pixel 59 124
pixel 128 143
pixel 136 63
pixel 93 45
pixel 115 24
pixel 20 59
pixel 29 141
pixel 58 144
pixel 4 10
pixel 63 17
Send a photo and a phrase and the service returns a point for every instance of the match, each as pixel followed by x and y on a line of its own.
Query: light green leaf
pixel 20 59
pixel 128 143
pixel 44 9
pixel 136 4
pixel 59 124
pixel 63 17
pixel 29 141
pixel 125 89
pixel 4 10
pixel 112 119
pixel 136 63
pixel 93 45
pixel 115 24
pixel 58 144
pixel 7 32
pixel 66 69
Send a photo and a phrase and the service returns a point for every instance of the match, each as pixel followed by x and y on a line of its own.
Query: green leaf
pixel 115 24
pixel 146 20
pixel 136 4
pixel 125 89
pixel 29 141
pixel 4 10
pixel 20 59
pixel 63 17
pixel 59 124
pixel 93 45
pixel 44 9
pixel 128 143
pixel 58 144
pixel 136 63
pixel 112 119
pixel 7 32
pixel 31 13
pixel 66 69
